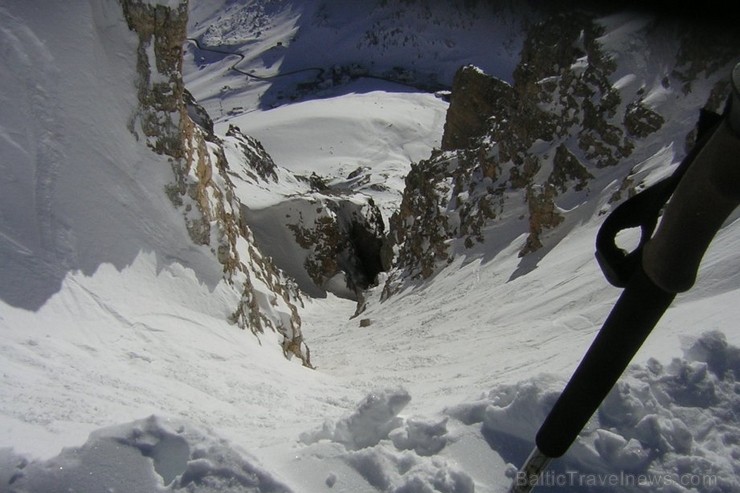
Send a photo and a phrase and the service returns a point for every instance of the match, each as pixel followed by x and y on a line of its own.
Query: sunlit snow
pixel 119 371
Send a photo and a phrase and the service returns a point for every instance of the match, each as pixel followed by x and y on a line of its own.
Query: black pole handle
pixel 734 116
pixel 703 200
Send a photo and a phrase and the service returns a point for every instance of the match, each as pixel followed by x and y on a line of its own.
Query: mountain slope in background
pixel 421 44
pixel 114 307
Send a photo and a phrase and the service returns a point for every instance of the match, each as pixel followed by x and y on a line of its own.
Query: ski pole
pixel 705 196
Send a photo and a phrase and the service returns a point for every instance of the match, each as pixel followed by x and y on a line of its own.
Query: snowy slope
pixel 108 319
pixel 377 130
pixel 91 246
pixel 109 313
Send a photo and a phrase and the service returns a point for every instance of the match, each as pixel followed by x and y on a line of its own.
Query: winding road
pixel 320 71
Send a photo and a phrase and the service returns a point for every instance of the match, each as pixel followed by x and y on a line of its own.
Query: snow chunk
pixel 676 421
pixel 145 456
pixel 331 480
pixel 423 437
pixel 392 454
pixel 405 472
pixel 712 348
pixel 373 420
pixel 512 409
pixel 624 454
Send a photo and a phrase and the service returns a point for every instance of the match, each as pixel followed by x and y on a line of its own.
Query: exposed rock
pixel 254 154
pixel 626 189
pixel 317 183
pixel 420 228
pixel 325 241
pixel 543 215
pixel 161 30
pixel 560 90
pixel 476 97
pixel 198 114
pixel 641 121
pixel 202 188
pixel 345 239
pixel 520 150
pixel 704 51
pixel 567 168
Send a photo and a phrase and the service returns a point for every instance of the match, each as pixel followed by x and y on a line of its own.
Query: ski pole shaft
pixel 637 311
pixel 528 476
pixel 705 197
pixel 622 334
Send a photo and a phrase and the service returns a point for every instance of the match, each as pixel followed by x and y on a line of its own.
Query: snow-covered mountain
pixel 327 175
pixel 589 109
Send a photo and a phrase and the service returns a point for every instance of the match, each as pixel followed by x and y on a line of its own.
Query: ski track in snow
pixel 126 376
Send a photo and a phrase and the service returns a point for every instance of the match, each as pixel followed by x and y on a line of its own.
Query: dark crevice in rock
pixel 368 247
pixel 367 244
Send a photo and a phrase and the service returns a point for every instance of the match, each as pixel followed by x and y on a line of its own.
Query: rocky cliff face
pixel 202 187
pixel 583 112
pixel 327 240
pixel 343 244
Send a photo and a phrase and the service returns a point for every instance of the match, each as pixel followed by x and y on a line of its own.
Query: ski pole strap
pixel 734 111
pixel 643 211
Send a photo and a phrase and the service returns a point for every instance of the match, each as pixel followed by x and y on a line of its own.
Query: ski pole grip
pixel 734 117
pixel 703 200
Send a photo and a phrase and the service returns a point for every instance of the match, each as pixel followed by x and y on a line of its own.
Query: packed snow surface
pixel 118 371
pixel 378 130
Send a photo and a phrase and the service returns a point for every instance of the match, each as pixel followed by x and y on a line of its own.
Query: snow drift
pixel 659 421
pixel 662 428
pixel 150 455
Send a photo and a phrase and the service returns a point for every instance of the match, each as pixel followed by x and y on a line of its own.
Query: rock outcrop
pixel 570 119
pixel 477 97
pixel 344 243
pixel 202 187
pixel 327 241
